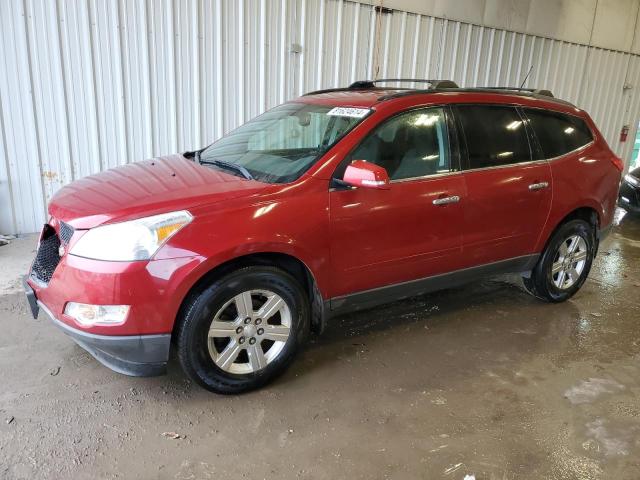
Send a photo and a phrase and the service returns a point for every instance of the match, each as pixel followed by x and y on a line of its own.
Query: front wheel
pixel 243 330
pixel 565 263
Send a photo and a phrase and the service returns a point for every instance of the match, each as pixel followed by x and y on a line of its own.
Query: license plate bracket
pixel 31 298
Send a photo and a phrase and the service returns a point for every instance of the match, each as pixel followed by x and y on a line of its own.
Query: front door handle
pixel 446 200
pixel 538 186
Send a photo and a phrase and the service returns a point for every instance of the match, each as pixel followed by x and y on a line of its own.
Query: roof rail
pixel 371 84
pixel 442 85
pixel 538 91
pixel 531 92
pixel 434 83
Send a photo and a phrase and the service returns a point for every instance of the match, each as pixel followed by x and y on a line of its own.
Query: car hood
pixel 145 188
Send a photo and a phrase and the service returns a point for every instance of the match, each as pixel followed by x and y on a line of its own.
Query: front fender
pixel 286 221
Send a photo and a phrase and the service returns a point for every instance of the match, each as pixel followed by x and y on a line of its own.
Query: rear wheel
pixel 243 330
pixel 565 263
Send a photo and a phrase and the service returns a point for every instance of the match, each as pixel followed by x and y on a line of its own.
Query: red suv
pixel 339 200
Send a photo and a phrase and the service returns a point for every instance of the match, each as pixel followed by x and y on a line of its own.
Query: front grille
pixel 66 232
pixel 47 256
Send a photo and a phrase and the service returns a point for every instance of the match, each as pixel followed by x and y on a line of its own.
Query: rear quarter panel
pixel 585 178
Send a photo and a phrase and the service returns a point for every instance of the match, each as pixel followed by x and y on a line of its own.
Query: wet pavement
pixel 481 380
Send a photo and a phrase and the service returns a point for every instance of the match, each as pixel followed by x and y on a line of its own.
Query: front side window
pixel 495 135
pixel 410 145
pixel 283 143
pixel 558 133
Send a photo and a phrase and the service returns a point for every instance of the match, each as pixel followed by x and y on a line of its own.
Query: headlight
pixel 632 180
pixel 137 239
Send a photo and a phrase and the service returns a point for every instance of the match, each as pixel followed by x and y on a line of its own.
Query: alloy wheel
pixel 569 262
pixel 249 331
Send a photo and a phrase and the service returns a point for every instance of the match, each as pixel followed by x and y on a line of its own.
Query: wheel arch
pixel 587 213
pixel 289 263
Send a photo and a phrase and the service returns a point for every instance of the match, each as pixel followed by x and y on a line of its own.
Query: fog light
pixel 96 314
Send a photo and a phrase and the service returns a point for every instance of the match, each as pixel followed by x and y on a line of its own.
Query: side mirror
pixel 367 175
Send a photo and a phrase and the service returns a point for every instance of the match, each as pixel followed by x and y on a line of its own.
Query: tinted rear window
pixel 558 133
pixel 495 135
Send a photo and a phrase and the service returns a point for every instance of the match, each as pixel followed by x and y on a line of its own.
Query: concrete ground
pixel 481 380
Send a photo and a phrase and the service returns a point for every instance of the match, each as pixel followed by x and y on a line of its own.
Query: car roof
pixel 349 98
pixel 366 94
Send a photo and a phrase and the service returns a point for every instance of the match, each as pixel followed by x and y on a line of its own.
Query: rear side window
pixel 495 135
pixel 558 133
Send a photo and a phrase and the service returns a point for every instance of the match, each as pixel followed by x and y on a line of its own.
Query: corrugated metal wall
pixel 86 85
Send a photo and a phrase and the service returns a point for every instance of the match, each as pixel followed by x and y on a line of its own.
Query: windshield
pixel 281 144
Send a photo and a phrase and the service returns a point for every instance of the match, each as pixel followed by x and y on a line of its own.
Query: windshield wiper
pixel 228 165
pixel 191 154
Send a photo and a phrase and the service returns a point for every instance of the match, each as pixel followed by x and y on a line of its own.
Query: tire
pixel 561 285
pixel 221 332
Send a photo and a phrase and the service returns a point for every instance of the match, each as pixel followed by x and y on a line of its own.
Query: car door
pixel 413 229
pixel 508 193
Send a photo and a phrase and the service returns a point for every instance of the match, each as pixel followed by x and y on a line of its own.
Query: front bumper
pixel 629 197
pixel 153 290
pixel 627 205
pixel 135 355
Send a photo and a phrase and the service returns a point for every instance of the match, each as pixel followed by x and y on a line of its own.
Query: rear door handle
pixel 446 200
pixel 538 186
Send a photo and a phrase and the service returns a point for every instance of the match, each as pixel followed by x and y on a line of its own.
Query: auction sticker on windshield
pixel 348 112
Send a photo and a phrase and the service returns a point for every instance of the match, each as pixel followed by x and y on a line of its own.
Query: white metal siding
pixel 87 85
